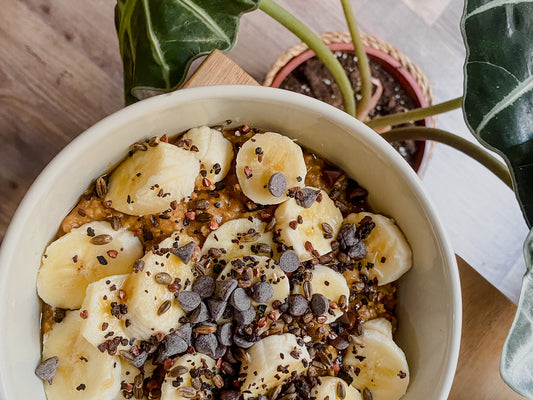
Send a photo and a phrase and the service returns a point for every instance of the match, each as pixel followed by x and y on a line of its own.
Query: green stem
pixel 415 115
pixel 457 142
pixel 362 59
pixel 317 45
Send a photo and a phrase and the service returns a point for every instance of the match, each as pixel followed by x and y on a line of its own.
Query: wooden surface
pixel 60 73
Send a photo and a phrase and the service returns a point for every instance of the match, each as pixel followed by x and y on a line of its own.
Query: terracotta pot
pixel 396 70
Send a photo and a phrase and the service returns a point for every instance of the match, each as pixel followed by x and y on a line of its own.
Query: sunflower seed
pixel 187 392
pixel 164 307
pixel 101 187
pixel 101 239
pixel 341 390
pixel 250 237
pixel 367 394
pixel 163 278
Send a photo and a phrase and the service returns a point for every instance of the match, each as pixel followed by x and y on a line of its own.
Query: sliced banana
pixel 84 255
pixel 152 306
pixel 178 382
pixel 214 152
pixel 148 181
pixel 382 365
pixel 311 230
pixel 329 283
pixel 262 267
pixel 386 248
pixel 103 302
pixel 84 372
pixel 129 372
pixel 260 373
pixel 264 155
pixel 240 237
pixel 332 388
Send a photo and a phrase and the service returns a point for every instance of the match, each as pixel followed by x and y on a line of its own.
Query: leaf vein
pixel 206 18
pixel 156 48
pixel 494 4
pixel 497 67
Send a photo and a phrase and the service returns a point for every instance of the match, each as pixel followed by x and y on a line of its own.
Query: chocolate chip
pixel 357 252
pixel 319 304
pixel 230 395
pixel 184 253
pixel 46 370
pixel 289 261
pixel 139 360
pixel 366 225
pixel 245 317
pixel 331 176
pixel 200 314
pixel 224 289
pixel 216 308
pixel 204 286
pixel 174 344
pixel 242 342
pixel 220 351
pixel 240 300
pixel 347 236
pixel 206 344
pixel 262 292
pixel 306 197
pixel 225 334
pixel 297 305
pixel 277 184
pixel 340 343
pixel 189 301
pixel 185 332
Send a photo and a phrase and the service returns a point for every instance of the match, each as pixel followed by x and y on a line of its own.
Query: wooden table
pixel 60 73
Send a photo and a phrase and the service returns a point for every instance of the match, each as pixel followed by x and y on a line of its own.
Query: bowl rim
pixel 237 92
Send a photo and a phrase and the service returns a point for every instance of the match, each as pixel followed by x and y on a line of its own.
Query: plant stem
pixel 362 60
pixel 457 142
pixel 415 115
pixel 317 45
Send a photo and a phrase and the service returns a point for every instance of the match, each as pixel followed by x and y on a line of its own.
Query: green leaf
pixel 159 39
pixel 498 100
pixel 516 365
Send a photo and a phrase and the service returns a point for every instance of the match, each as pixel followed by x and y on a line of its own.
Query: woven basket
pixel 369 41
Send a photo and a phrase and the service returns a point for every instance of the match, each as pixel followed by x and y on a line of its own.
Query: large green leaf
pixel 159 39
pixel 498 107
pixel 498 100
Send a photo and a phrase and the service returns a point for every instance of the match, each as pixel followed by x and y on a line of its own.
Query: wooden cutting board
pixel 487 314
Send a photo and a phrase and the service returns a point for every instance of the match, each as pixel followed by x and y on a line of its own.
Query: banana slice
pixel 260 158
pixel 178 383
pixel 329 283
pixel 84 372
pixel 127 377
pixel 386 248
pixel 84 255
pixel 104 303
pixel 148 181
pixel 214 152
pixel 238 238
pixel 332 388
pixel 382 366
pixel 152 306
pixel 261 267
pixel 308 230
pixel 260 373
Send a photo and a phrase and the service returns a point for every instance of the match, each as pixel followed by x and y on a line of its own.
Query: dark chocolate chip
pixel 185 332
pixel 184 253
pixel 200 314
pixel 262 292
pixel 220 351
pixel 230 395
pixel 319 304
pixel 340 343
pixel 347 236
pixel 306 197
pixel 216 308
pixel 357 252
pixel 204 285
pixel 245 317
pixel 289 261
pixel 224 289
pixel 189 301
pixel 331 176
pixel 242 342
pixel 277 184
pixel 297 305
pixel 225 334
pixel 139 361
pixel 207 344
pixel 240 300
pixel 174 344
pixel 46 370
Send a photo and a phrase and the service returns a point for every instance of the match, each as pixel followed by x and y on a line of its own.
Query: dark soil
pixel 313 79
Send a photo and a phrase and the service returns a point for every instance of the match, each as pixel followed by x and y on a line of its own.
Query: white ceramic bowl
pixel 429 308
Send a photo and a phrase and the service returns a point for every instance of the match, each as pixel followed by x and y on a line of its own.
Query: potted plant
pixel 159 41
